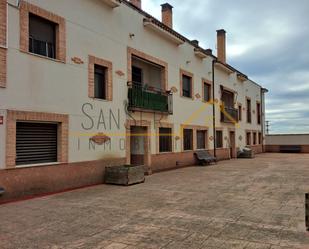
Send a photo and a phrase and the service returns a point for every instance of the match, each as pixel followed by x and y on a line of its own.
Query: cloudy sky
pixel 268 40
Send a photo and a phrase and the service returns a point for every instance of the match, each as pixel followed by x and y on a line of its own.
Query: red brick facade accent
pixel 92 61
pixel 29 181
pixel 3 67
pixel 25 9
pixel 3 41
pixel 132 51
pixel 183 72
pixel 14 116
pixel 77 60
pixel 3 22
pixel 168 161
pixel 257 149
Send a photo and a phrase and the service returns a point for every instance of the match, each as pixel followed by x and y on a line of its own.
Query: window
pixel 239 112
pixel 207 92
pixel 248 138
pixel 201 137
pixel 258 112
pixel 36 143
pixel 186 86
pixel 165 140
pixel 249 110
pixel 100 82
pixel 219 139
pixel 36 137
pixel 228 99
pixel 100 78
pixel 42 32
pixel 187 139
pixel 137 75
pixel 254 138
pixel 229 114
pixel 260 138
pixel 42 36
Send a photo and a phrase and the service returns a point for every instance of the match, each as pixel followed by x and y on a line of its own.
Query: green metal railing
pixel 149 98
pixel 229 114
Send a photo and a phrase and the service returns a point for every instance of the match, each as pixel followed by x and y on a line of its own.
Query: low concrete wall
pixel 276 148
pixel 273 142
pixel 167 161
pixel 30 181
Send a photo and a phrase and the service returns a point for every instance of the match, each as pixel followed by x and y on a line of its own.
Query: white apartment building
pixel 96 83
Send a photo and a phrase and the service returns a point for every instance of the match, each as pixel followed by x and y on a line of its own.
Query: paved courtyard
pixel 236 204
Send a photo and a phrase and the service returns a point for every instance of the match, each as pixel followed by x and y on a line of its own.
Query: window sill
pixel 101 100
pixel 165 153
pixel 43 57
pixel 188 98
pixel 207 102
pixel 34 165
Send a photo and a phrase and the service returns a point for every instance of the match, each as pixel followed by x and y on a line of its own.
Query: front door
pixel 137 145
pixel 232 144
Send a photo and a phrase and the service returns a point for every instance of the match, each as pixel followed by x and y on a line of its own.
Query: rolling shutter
pixel 36 143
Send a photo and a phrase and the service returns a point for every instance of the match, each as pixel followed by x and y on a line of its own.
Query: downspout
pixel 263 91
pixel 262 120
pixel 214 106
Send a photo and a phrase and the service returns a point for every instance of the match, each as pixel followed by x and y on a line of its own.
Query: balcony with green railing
pixel 149 99
pixel 229 114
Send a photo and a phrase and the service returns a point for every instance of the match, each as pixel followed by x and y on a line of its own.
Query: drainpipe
pixel 263 91
pixel 214 106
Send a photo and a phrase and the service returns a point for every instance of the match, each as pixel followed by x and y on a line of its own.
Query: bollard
pixel 307 211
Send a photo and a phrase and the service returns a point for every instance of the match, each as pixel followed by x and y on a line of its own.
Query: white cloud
pixel 265 39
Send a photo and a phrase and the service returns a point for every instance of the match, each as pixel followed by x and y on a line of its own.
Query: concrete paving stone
pixel 236 231
pixel 266 235
pixel 255 203
pixel 113 246
pixel 213 242
pixel 234 244
pixel 254 245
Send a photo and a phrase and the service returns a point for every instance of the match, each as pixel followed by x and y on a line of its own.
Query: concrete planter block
pixel 125 175
pixel 245 153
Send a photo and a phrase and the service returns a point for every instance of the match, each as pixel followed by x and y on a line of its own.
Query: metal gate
pixel 36 143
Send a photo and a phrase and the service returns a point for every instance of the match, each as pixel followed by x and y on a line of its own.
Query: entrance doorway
pixel 232 145
pixel 138 145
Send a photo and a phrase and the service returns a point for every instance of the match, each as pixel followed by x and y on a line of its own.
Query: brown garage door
pixel 36 143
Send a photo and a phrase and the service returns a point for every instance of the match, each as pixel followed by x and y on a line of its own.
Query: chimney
pixel 167 14
pixel 221 45
pixel 137 3
pixel 195 42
